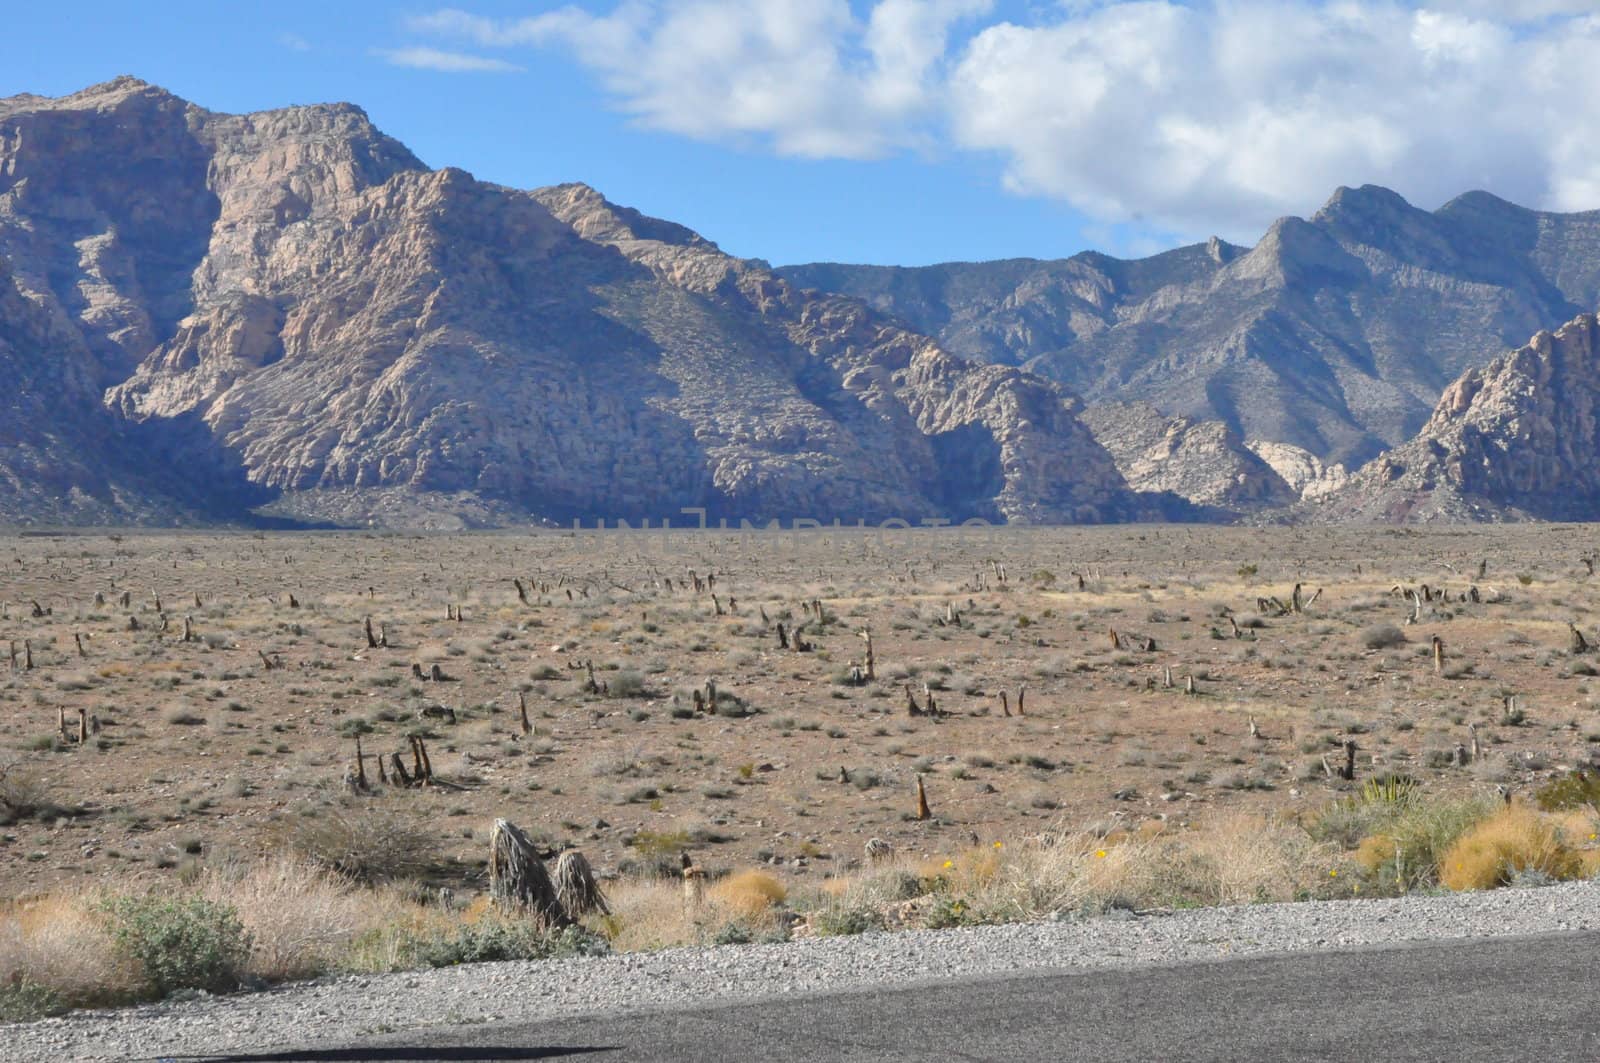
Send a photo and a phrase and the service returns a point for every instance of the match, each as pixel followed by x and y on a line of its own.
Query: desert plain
pixel 1109 679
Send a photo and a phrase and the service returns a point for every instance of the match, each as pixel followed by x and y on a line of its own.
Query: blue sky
pixel 904 131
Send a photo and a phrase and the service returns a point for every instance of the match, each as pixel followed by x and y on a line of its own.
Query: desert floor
pixel 198 752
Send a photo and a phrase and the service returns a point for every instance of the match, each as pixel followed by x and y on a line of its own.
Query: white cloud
pixel 804 76
pixel 1198 117
pixel 447 62
pixel 294 42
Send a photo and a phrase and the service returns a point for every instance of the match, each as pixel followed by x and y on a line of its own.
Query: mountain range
pixel 286 316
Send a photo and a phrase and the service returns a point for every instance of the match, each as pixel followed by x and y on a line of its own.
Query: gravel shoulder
pixel 340 1009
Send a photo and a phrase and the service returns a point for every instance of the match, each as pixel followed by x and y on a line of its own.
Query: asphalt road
pixel 1533 1000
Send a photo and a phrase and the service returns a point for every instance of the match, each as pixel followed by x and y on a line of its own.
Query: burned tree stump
pixel 518 882
pixel 1576 643
pixel 1438 655
pixel 922 801
pixel 522 707
pixel 372 636
pixel 576 887
pixel 522 591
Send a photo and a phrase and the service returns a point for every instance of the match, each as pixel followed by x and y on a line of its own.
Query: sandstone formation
pixel 1305 473
pixel 1204 462
pixel 1514 440
pixel 296 316
pixel 1334 334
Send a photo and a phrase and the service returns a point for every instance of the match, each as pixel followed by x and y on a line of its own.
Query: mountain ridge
pixel 291 303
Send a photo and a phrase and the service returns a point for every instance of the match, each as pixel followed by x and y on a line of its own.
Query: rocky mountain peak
pixel 1514 439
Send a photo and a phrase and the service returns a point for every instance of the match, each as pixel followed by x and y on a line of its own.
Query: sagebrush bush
pixel 1382 637
pixel 364 844
pixel 180 943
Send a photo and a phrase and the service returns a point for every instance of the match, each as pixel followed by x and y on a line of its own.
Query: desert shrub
pixel 362 844
pixel 749 893
pixel 180 943
pixel 845 921
pixel 1382 637
pixel 24 1000
pixel 1249 859
pixel 1504 846
pixel 1577 789
pixel 59 944
pixel 1495 851
pixel 495 938
pixel 654 845
pixel 24 795
pixel 1397 830
pixel 627 684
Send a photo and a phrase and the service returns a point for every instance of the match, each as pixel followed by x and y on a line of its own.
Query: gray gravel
pixel 342 1009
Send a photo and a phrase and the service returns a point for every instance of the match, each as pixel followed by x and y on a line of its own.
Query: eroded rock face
pixel 290 303
pixel 1306 474
pixel 1204 462
pixel 1514 440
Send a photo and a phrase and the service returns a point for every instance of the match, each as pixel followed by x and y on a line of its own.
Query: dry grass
pixel 61 942
pixel 749 894
pixel 301 916
pixel 1515 841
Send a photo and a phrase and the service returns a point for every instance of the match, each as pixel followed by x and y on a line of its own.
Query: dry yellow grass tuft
pixel 749 894
pixel 1494 851
pixel 60 941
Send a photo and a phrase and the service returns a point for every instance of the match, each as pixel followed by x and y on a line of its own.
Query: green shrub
pixel 843 922
pixel 27 1001
pixel 488 940
pixel 1577 789
pixel 186 943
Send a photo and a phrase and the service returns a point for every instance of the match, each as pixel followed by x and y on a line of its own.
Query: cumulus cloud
pixel 804 76
pixel 1190 118
pixel 447 62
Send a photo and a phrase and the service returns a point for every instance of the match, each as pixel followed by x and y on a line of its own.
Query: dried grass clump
pixel 1248 859
pixel 649 914
pixel 301 916
pixel 749 894
pixel 1515 841
pixel 61 942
